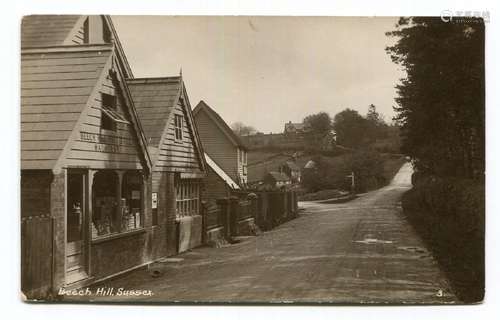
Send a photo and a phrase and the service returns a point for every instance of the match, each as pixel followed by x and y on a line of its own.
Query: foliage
pixel 371 170
pixel 376 128
pixel 326 174
pixel 318 126
pixel 242 129
pixel 350 128
pixel 449 214
pixel 441 102
pixel 368 168
pixel 319 123
pixel 322 195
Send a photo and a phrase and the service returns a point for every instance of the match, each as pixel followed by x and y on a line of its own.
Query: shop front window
pixel 131 202
pixel 187 197
pixel 116 207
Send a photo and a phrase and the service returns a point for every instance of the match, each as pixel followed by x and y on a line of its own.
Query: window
pixel 187 197
pixel 178 120
pixel 108 104
pixel 112 212
pixel 105 204
pixel 131 201
pixel 110 116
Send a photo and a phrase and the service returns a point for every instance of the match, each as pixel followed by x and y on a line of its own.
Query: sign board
pixel 136 194
pixel 154 200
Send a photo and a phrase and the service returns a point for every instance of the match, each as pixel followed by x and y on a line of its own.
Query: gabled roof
pixel 221 173
pixel 55 88
pixel 55 30
pixel 56 85
pixel 278 176
pixel 221 124
pixel 292 165
pixel 292 127
pixel 46 30
pixel 154 100
pixel 310 164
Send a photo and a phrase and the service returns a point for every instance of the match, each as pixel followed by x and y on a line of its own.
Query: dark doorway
pixel 75 225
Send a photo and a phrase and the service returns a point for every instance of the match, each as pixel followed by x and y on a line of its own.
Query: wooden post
pixel 120 174
pixel 203 221
pixel 223 204
pixel 88 218
pixel 353 189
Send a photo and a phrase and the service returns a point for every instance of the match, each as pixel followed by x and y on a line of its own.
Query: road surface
pixel 363 251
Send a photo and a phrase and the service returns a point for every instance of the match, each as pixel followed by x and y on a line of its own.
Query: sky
pixel 265 71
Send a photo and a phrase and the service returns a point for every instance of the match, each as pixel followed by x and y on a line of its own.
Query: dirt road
pixel 363 251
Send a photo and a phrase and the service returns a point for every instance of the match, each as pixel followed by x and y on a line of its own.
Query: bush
pixel 449 214
pixel 368 168
pixel 371 170
pixel 322 195
pixel 327 174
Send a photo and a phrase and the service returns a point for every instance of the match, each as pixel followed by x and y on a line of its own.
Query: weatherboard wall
pixel 217 145
pixel 99 148
pixel 178 155
pixel 55 89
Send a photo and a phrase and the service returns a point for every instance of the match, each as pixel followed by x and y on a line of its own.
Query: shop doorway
pixel 76 232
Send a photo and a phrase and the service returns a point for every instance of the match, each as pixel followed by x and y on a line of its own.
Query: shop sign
pixel 102 143
pixel 154 200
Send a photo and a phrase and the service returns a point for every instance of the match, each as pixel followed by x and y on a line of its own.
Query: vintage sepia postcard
pixel 252 159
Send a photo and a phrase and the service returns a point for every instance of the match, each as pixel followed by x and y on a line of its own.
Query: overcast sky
pixel 265 71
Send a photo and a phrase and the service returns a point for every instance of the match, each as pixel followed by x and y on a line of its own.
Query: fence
pixel 213 215
pixel 36 256
pixel 240 213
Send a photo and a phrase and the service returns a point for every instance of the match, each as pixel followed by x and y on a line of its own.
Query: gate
pixel 37 256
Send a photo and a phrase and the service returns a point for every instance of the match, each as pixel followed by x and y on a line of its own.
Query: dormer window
pixel 110 117
pixel 178 120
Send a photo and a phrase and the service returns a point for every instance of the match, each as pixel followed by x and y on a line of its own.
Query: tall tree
pixel 376 126
pixel 350 128
pixel 318 126
pixel 441 102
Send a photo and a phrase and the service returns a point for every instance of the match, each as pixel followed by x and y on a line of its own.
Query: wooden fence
pixel 214 216
pixel 37 256
pixel 268 210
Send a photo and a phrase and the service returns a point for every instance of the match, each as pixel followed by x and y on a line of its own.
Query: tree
pixel 350 128
pixel 376 126
pixel 441 102
pixel 317 126
pixel 368 168
pixel 240 129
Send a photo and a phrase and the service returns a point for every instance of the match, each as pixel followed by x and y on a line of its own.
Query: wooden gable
pixel 55 88
pixel 61 111
pixel 69 30
pixel 158 101
pixel 97 147
pixel 216 142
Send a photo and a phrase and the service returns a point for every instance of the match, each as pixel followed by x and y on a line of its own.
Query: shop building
pixel 178 170
pixel 84 162
pixel 85 169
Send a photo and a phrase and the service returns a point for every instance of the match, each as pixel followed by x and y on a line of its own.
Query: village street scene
pixel 205 170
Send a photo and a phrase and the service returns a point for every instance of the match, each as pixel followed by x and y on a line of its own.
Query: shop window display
pixel 113 212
